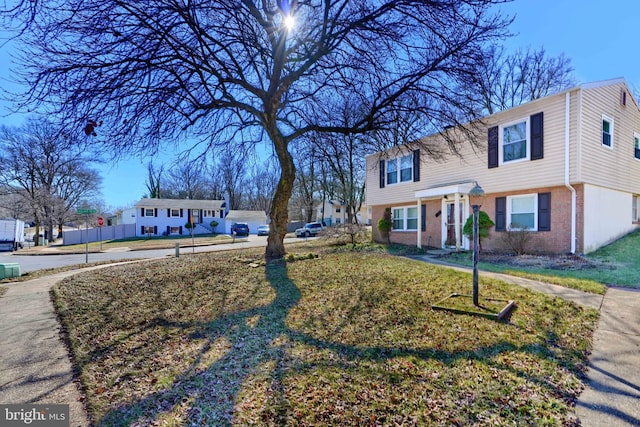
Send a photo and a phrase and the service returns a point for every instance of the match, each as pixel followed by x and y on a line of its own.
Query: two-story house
pixel 565 167
pixel 170 216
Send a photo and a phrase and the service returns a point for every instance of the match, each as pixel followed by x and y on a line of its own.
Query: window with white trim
pixel 522 212
pixel 515 141
pixel 405 218
pixel 607 131
pixel 400 169
pixel 175 212
pixel 174 230
pixel 636 145
pixel 634 208
pixel 149 212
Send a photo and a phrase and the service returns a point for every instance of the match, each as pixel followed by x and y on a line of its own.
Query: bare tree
pixel 47 169
pixel 506 80
pixel 154 180
pixel 187 180
pixel 233 73
pixel 261 184
pixel 232 168
pixel 307 183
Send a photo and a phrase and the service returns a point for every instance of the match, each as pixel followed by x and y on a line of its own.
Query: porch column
pixel 419 225
pixel 456 213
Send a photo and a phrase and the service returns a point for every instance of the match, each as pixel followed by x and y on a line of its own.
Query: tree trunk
pixel 279 206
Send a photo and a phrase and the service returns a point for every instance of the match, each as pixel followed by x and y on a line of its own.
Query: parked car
pixel 309 229
pixel 240 229
pixel 263 230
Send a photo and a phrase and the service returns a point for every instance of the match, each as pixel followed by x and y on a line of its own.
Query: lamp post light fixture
pixel 476 193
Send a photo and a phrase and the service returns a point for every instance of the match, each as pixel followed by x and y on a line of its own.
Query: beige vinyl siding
pixel 472 166
pixel 599 165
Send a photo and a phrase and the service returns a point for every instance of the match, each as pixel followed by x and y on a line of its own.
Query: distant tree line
pixel 45 174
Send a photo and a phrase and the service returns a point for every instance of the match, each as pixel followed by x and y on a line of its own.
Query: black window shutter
pixel 168 230
pixel 155 212
pixel 416 165
pixel 501 213
pixel 180 213
pixel 381 173
pixel 180 230
pixel 423 217
pixel 142 229
pixel 188 215
pixel 537 132
pixel 492 151
pixel 155 229
pixel 168 212
pixel 544 212
pixel 141 211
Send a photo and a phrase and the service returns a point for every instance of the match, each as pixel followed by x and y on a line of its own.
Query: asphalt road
pixel 31 261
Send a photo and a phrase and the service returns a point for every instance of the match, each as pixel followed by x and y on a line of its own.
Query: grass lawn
pixel 615 265
pixel 347 338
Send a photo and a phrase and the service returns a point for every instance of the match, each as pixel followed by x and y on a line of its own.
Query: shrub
pixel 517 238
pixel 385 224
pixel 348 233
pixel 484 224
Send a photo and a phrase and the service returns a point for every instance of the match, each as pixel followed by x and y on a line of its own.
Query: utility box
pixel 9 269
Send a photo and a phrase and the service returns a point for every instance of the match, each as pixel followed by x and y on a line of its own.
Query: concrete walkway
pixel 612 394
pixel 34 362
pixel 35 365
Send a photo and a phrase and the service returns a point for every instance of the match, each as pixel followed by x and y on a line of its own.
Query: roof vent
pixel 623 97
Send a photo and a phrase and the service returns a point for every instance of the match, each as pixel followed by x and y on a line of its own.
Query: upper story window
pixel 607 131
pixel 149 212
pixel 522 212
pixel 175 212
pixel 636 145
pixel 405 219
pixel 514 141
pixel 400 169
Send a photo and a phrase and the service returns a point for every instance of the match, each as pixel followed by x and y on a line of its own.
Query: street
pixel 31 262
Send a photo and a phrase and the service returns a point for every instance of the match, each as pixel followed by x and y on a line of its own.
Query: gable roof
pixel 181 203
pixel 246 216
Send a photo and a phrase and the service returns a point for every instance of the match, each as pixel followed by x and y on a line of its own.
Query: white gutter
pixel 567 147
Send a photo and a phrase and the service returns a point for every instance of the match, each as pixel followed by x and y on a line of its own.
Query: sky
pixel 600 38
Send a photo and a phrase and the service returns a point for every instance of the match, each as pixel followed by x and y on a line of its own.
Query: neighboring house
pixel 566 167
pixel 126 216
pixel 252 218
pixel 335 212
pixel 169 216
pixel 332 212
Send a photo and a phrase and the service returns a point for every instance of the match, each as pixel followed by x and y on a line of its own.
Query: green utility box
pixel 9 269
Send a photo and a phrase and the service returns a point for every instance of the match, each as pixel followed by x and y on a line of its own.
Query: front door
pixel 450 223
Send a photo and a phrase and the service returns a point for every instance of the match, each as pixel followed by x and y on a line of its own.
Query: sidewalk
pixel 612 394
pixel 35 365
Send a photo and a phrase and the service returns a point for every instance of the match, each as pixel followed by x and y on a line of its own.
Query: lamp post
pixel 478 194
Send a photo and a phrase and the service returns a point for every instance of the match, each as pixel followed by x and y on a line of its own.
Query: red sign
pixel 100 221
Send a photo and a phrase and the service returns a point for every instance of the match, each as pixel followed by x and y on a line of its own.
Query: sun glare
pixel 289 22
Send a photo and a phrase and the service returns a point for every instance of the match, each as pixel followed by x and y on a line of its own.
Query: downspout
pixel 567 148
pixel 419 234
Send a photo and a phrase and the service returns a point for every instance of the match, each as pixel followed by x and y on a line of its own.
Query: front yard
pixel 342 339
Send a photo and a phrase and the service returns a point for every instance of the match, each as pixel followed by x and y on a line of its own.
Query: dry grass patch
pixel 343 339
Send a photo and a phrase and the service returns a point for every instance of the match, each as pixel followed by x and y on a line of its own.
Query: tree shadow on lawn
pixel 206 393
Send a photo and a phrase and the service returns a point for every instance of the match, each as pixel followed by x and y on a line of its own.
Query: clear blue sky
pixel 600 38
